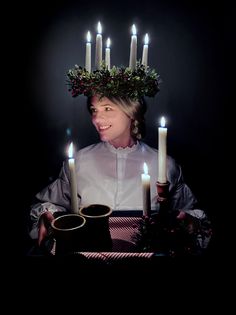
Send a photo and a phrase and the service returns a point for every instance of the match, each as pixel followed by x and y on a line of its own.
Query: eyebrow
pixel 103 105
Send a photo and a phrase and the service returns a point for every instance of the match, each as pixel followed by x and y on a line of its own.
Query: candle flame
pixel 99 28
pixel 88 37
pixel 134 32
pixel 163 122
pixel 70 151
pixel 145 168
pixel 108 42
pixel 146 39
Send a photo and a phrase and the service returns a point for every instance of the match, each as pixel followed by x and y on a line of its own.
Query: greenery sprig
pixel 173 237
pixel 119 81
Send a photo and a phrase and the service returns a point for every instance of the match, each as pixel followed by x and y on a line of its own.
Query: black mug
pixel 97 231
pixel 68 231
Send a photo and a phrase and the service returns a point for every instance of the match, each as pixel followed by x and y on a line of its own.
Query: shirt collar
pixel 121 150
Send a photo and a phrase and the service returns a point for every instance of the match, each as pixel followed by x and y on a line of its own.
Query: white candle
pixel 133 49
pixel 145 51
pixel 88 53
pixel 162 135
pixel 146 191
pixel 73 180
pixel 108 55
pixel 98 50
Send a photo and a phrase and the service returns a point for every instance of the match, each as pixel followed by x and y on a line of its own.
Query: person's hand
pixel 181 215
pixel 189 220
pixel 44 223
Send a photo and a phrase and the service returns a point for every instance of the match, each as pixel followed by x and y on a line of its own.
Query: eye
pixel 93 110
pixel 108 108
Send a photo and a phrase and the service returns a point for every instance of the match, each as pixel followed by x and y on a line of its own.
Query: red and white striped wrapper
pixel 122 231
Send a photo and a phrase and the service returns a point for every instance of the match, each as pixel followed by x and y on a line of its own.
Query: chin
pixel 104 138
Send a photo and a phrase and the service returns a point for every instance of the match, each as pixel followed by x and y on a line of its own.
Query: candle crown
pixel 133 82
pixel 118 82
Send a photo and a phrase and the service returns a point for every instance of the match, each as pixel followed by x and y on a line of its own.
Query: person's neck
pixel 123 144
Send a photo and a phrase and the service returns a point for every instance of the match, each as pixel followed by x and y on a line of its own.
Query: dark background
pixel 189 49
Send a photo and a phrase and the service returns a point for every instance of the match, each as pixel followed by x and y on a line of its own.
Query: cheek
pixel 127 122
pixel 93 120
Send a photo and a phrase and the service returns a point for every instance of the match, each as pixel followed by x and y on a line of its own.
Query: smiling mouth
pixel 103 128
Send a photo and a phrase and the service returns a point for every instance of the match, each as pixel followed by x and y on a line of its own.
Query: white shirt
pixel 111 176
pixel 114 176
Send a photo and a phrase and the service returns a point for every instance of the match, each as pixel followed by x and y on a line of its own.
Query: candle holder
pixel 162 192
pixel 165 234
pixel 163 199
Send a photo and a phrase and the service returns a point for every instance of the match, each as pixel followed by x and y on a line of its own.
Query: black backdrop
pixel 188 47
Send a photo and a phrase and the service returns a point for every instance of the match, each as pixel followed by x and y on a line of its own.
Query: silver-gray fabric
pixel 111 176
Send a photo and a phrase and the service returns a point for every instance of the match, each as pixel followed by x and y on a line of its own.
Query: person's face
pixel 112 124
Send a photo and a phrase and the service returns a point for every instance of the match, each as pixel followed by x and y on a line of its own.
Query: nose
pixel 97 117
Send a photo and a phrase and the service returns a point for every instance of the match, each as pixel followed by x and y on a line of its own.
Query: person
pixel 109 172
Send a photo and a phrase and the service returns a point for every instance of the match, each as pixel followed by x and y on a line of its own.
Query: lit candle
pixel 73 181
pixel 162 135
pixel 145 51
pixel 98 51
pixel 133 49
pixel 108 55
pixel 88 53
pixel 146 191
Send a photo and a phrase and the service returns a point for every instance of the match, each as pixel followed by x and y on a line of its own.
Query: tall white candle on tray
pixel 146 191
pixel 73 180
pixel 133 49
pixel 88 53
pixel 145 51
pixel 162 137
pixel 98 50
pixel 108 54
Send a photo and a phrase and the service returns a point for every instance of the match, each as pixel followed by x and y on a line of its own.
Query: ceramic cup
pixel 97 232
pixel 68 231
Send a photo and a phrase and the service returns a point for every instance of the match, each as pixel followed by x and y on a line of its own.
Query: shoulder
pixel 153 151
pixel 174 169
pixel 172 162
pixel 89 149
pixel 147 148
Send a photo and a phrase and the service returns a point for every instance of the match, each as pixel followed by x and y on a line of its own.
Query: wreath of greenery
pixel 119 82
pixel 173 237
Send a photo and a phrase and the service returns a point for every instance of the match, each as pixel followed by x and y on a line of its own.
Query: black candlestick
pixel 162 191
pixel 163 199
